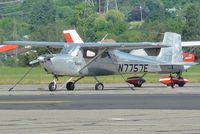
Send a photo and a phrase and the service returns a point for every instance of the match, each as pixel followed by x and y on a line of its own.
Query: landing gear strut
pixel 98 85
pixel 182 81
pixel 172 82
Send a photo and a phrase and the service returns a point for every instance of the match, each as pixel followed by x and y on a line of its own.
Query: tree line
pixel 132 21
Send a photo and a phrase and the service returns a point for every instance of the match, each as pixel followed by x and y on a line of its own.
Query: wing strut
pixel 121 74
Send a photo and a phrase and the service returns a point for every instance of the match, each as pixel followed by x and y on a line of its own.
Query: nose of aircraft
pixel 41 58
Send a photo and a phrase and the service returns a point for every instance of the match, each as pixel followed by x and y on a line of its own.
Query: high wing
pixel 122 45
pixel 191 44
pixel 37 43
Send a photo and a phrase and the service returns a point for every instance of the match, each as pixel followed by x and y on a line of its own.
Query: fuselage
pixel 72 59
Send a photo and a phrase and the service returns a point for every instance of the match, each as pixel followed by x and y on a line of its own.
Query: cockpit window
pixel 89 53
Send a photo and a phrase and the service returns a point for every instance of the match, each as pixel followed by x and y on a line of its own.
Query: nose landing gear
pixel 53 86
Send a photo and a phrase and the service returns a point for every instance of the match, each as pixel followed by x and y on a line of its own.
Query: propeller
pixel 41 58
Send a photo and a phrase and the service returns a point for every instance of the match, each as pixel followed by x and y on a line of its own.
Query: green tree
pixel 100 27
pixel 192 16
pixel 51 32
pixel 25 59
pixel 12 29
pixel 84 18
pixel 42 13
pixel 191 31
pixel 116 22
pixel 156 10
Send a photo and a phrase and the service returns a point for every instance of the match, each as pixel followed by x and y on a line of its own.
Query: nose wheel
pixel 53 86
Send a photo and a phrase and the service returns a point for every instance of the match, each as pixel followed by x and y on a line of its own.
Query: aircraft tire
pixel 181 84
pixel 52 86
pixel 172 85
pixel 99 86
pixel 70 86
pixel 137 85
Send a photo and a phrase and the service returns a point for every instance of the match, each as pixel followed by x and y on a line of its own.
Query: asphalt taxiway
pixel 153 108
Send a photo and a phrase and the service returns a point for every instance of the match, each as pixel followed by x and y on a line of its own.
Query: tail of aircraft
pixel 71 36
pixel 173 54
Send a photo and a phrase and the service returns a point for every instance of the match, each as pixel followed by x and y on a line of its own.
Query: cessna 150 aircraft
pixel 100 59
pixel 72 36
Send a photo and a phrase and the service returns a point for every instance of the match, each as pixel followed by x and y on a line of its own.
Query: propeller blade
pixel 34 62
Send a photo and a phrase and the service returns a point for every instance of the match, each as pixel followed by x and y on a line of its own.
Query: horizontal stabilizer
pixel 190 44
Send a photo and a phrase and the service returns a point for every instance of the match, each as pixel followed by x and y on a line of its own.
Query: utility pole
pixel 107 5
pixel 110 3
pixel 14 29
pixel 141 14
pixel 99 4
pixel 116 6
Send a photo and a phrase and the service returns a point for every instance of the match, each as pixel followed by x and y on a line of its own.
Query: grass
pixel 10 75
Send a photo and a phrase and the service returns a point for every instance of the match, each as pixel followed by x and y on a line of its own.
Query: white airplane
pixel 72 36
pixel 78 59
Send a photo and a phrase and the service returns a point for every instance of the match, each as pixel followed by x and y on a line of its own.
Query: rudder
pixel 71 36
pixel 172 54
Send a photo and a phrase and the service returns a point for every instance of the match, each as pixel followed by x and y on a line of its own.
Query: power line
pixel 11 2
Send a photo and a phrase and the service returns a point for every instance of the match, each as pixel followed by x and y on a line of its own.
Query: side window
pixel 89 53
pixel 105 54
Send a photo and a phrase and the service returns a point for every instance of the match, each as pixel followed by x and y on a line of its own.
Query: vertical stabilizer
pixel 171 54
pixel 71 36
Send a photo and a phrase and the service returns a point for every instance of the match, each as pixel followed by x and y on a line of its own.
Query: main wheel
pixel 181 84
pixel 70 86
pixel 137 85
pixel 99 86
pixel 52 86
pixel 172 85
